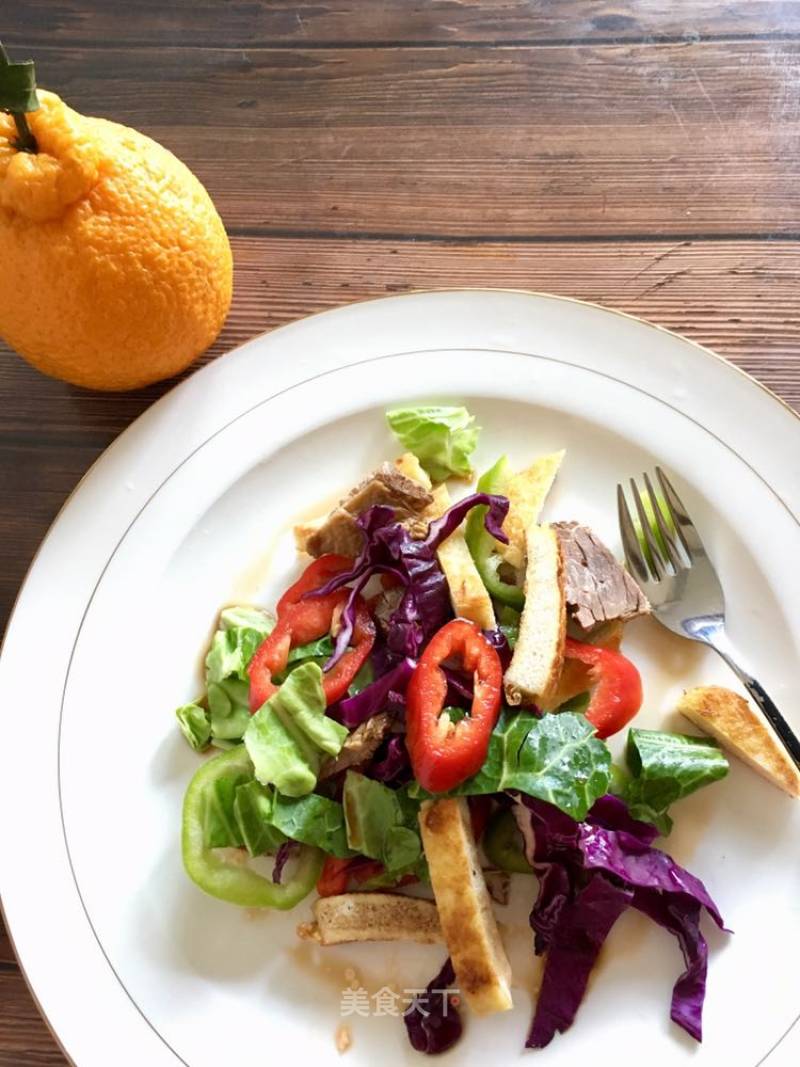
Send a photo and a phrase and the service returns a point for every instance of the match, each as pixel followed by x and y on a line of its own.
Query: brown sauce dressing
pixel 334 973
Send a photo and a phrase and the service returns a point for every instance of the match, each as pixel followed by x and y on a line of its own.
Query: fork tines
pixel 670 547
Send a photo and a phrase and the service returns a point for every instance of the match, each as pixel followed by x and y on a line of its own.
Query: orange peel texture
pixel 115 268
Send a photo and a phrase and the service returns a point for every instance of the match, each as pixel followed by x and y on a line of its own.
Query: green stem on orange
pixel 25 141
pixel 17 97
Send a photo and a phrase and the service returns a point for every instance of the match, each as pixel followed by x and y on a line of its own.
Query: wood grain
pixel 739 298
pixel 369 22
pixel 641 155
pixel 510 143
pixel 25 1040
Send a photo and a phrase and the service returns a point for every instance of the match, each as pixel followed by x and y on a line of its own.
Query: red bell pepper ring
pixel 617 686
pixel 443 753
pixel 303 620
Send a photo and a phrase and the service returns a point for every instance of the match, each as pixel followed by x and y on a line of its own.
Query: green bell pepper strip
pixel 482 545
pixel 231 882
pixel 502 843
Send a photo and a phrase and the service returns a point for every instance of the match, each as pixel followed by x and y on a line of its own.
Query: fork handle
pixel 786 735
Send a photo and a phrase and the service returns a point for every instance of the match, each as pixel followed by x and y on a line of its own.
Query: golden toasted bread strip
pixel 527 491
pixel 465 908
pixel 535 667
pixel 467 592
pixel 373 917
pixel 742 730
pixel 410 466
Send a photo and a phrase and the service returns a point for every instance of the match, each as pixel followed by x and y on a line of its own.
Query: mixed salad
pixel 423 716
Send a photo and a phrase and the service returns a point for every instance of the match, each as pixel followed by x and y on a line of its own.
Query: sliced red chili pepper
pixel 617 692
pixel 362 869
pixel 333 879
pixel 301 621
pixel 316 574
pixel 337 680
pixel 337 874
pixel 443 754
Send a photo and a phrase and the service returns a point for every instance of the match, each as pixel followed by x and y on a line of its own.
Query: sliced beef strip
pixel 361 745
pixel 338 534
pixel 386 485
pixel 597 588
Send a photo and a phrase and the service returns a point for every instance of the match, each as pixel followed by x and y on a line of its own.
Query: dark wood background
pixel 641 155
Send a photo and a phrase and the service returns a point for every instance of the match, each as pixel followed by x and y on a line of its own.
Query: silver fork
pixel 682 586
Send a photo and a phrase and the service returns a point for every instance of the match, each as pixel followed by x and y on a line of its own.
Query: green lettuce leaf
pixel 313 820
pixel 618 782
pixel 241 631
pixel 229 708
pixel 556 758
pixel 442 438
pixel 401 848
pixel 381 822
pixel 288 736
pixel 578 703
pixel 667 767
pixel 389 879
pixel 252 808
pixel 319 651
pixel 195 725
pixel 322 648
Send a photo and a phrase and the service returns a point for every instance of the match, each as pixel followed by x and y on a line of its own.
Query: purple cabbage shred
pixel 498 640
pixel 433 1022
pixel 385 692
pixel 282 856
pixel 389 548
pixel 589 873
pixel 394 768
pixel 459 688
pixel 583 925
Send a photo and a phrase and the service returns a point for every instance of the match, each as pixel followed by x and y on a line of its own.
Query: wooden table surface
pixel 641 155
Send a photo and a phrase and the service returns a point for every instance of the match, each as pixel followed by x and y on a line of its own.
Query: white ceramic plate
pixel 189 510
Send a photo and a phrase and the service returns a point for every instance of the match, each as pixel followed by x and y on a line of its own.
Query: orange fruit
pixel 115 268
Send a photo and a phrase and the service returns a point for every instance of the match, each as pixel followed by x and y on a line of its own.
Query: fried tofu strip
pixel 742 730
pixel 527 491
pixel 533 674
pixel 373 917
pixel 465 908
